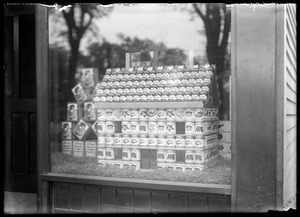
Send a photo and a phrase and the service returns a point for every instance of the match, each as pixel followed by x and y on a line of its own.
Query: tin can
pixel 118 139
pixel 199 114
pixel 152 114
pixel 172 97
pixel 135 165
pixel 117 114
pixel 189 167
pixel 109 139
pixel 160 90
pixel 143 140
pixel 99 128
pixel 180 167
pixel 152 127
pixel 170 166
pixel 189 141
pixel 189 157
pixel 109 114
pixel 129 98
pixel 143 114
pixel 135 140
pixel 126 140
pixel 78 148
pixel 134 127
pixel 180 114
pixel 132 91
pixel 66 130
pixel 161 141
pixel 134 113
pixel 180 141
pixel 101 140
pixel 152 140
pixel 126 114
pixel 90 148
pixel 189 128
pixel 101 163
pixel 101 153
pixel 135 98
pixel 126 154
pixel 143 98
pixel 135 154
pixel 116 98
pixel 143 127
pixel 118 164
pixel 109 99
pixel 150 98
pixel 167 90
pixel 199 157
pixel 170 156
pixel 109 127
pixel 171 128
pixel 161 165
pixel 189 114
pixel 126 164
pixel 161 156
pixel 156 84
pixel 161 114
pixel 171 114
pixel 66 147
pixel 199 128
pixel 170 141
pixel 198 167
pixel 122 98
pixel 187 97
pixel 179 97
pixel 157 98
pixel 164 97
pixel 161 127
pixel 199 141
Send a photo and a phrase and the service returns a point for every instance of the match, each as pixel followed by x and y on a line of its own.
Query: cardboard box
pixel 66 147
pixel 66 130
pixel 89 78
pixel 90 148
pixel 78 148
pixel 82 130
pixel 80 95
pixel 89 111
pixel 72 112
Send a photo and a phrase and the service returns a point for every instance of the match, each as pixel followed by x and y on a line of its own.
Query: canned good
pixel 152 127
pixel 189 167
pixel 199 114
pixel 109 114
pixel 134 127
pixel 152 140
pixel 155 83
pixel 135 165
pixel 167 90
pixel 128 98
pixel 198 167
pixel 161 141
pixel 160 90
pixel 126 164
pixel 117 114
pixel 149 83
pixel 99 127
pixel 195 97
pixel 171 114
pixel 180 141
pixel 189 114
pixel 116 98
pixel 199 128
pixel 128 84
pixel 143 127
pixel 189 128
pixel 109 154
pixel 132 91
pixel 174 90
pixel 135 154
pixel 109 139
pixel 157 98
pixel 101 140
pixel 161 156
pixel 170 166
pixel 126 154
pixel 122 98
pixel 152 114
pixel 66 147
pixel 109 98
pixel 126 140
pixel 187 97
pixel 199 141
pixel 161 165
pixel 101 153
pixel 199 157
pixel 161 127
pixel 126 114
pixel 161 114
pixel 189 157
pixel 143 98
pixel 134 113
pixel 180 114
pixel 179 98
pixel 171 127
pixel 109 127
pixel 172 97
pixel 122 84
pixel 144 140
pixel 117 139
pixel 143 114
pixel 135 140
pixel 135 84
pixel 118 164
pixel 135 98
pixel 170 141
pixel 189 141
pixel 150 98
pixel 180 167
pixel 101 162
pixel 164 98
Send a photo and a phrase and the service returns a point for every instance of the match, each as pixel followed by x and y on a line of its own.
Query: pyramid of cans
pixel 184 138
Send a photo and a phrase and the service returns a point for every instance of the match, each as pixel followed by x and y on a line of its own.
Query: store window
pixel 141 91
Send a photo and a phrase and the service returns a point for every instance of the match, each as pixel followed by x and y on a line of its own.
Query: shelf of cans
pixel 167 130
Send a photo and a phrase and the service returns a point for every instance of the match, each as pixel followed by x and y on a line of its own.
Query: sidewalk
pixel 20 203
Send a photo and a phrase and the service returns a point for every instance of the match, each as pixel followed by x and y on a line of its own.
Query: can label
pixel 135 154
pixel 126 140
pixel 180 167
pixel 90 148
pixel 109 114
pixel 170 166
pixel 100 113
pixel 126 154
pixel 171 128
pixel 101 140
pixel 72 113
pixel 199 128
pixel 170 156
pixel 152 140
pixel 199 114
pixel 66 147
pixel 101 162
pixel 199 157
pixel 143 127
pixel 170 141
pixel 189 142
pixel 189 157
pixel 161 141
pixel 78 148
pixel 117 139
pixel 66 130
pixel 180 114
pixel 126 127
pixel 134 140
pixel 152 127
pixel 160 156
pixel 126 115
pixel 152 113
pixel 109 139
pixel 190 114
pixel 161 127
pixel 161 165
pixel 198 167
pixel 143 140
pixel 161 114
pixel 109 154
pixel 79 94
pixel 118 164
pixel 99 128
pixel 135 165
pixel 134 127
pixel 134 113
pixel 89 111
pixel 117 115
pixel 199 142
pixel 110 127
pixel 189 167
pixel 171 114
pixel 180 141
pixel 101 153
pixel 189 128
pixel 143 114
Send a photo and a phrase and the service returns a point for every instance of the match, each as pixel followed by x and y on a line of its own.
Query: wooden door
pixel 20 99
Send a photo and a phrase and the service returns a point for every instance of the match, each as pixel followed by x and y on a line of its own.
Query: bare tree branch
pixel 199 12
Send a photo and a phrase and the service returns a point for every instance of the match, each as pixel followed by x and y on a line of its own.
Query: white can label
pixel 126 127
pixel 180 115
pixel 110 127
pixel 90 149
pixel 152 127
pixel 143 128
pixel 190 114
pixel 78 150
pixel 66 147
pixel 189 128
pixel 117 114
pixel 152 113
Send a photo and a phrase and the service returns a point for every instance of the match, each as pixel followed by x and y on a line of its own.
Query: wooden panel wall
pixel 76 198
pixel 290 103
